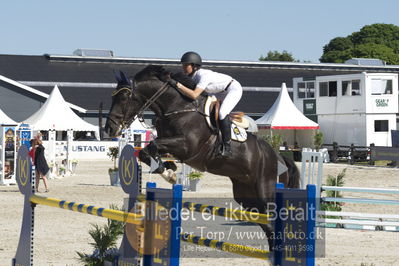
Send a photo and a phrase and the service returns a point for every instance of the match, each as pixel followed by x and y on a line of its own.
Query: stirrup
pixel 170 176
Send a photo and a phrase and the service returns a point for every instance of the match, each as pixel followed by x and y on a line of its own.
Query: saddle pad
pixel 244 123
pixel 208 103
pixel 238 133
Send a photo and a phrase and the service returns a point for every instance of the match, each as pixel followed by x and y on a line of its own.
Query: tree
pixel 277 56
pixel 372 41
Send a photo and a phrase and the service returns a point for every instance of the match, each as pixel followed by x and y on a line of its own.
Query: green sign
pixel 309 106
pixel 381 102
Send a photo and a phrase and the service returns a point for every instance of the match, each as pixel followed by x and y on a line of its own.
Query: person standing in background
pixel 32 150
pixel 41 164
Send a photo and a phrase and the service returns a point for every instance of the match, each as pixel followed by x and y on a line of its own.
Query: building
pixel 358 109
pixel 86 79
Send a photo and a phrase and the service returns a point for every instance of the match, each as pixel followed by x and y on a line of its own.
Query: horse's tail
pixel 294 175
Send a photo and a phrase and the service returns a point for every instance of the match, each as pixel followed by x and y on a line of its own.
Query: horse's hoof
pixel 169 175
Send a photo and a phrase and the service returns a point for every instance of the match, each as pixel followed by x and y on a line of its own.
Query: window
pixel 310 89
pixel 301 90
pixel 332 88
pixel 355 87
pixel 381 126
pixel 305 89
pixel 137 140
pixel 328 89
pixel 381 86
pixel 323 87
pixel 351 87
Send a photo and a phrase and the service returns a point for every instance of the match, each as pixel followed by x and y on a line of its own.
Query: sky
pixel 217 30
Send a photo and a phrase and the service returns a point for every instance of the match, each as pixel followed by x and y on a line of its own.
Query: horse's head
pixel 129 101
pixel 122 107
pixel 150 90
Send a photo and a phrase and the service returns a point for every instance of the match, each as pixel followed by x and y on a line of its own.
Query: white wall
pixel 341 104
pixel 344 129
pixel 386 103
pixel 84 150
pixel 380 138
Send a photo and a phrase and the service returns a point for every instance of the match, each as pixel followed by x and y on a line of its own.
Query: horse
pixel 182 131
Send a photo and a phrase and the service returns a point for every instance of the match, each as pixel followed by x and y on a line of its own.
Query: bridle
pixel 126 122
pixel 116 92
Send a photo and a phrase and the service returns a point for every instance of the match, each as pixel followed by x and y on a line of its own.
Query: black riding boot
pixel 225 129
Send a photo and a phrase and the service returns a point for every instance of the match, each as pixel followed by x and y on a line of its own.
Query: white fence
pixel 312 173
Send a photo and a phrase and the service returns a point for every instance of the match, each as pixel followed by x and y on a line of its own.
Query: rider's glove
pixel 172 83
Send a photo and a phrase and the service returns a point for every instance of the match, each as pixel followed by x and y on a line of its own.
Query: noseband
pixel 117 91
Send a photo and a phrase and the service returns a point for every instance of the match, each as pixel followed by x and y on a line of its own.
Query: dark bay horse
pixel 183 132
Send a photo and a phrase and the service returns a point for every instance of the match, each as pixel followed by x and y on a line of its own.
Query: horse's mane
pixel 152 71
pixel 184 79
pixel 162 74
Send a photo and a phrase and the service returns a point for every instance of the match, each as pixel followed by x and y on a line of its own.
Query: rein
pixel 152 100
pixel 158 94
pixel 195 109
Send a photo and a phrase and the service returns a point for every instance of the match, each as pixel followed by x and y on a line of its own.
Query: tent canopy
pixel 5 119
pixel 55 114
pixel 284 115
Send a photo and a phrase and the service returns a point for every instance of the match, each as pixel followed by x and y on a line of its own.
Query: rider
pixel 221 85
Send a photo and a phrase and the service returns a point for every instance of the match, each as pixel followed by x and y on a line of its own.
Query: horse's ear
pixel 122 79
pixel 117 76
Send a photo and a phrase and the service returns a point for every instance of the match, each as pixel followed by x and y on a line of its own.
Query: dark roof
pixel 76 69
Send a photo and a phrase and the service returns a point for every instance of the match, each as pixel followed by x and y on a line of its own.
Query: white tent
pixel 55 114
pixel 5 120
pixel 285 119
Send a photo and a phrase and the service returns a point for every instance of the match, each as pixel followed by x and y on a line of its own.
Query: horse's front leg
pixel 153 151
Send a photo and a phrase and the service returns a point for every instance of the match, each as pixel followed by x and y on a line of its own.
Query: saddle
pixel 239 123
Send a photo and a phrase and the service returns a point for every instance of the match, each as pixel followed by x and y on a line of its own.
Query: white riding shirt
pixel 210 81
pixel 215 83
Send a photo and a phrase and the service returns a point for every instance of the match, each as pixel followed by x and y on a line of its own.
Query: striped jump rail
pixel 226 247
pixel 253 217
pixel 117 215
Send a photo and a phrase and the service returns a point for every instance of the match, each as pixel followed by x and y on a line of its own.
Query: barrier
pixel 167 250
pixel 312 173
pixel 288 251
pixel 130 176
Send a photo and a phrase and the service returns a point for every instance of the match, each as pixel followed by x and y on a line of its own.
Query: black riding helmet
pixel 191 58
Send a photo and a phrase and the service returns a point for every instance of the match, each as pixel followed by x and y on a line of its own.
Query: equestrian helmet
pixel 191 58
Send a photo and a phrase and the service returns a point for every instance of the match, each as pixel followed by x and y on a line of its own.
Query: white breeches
pixel 233 96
